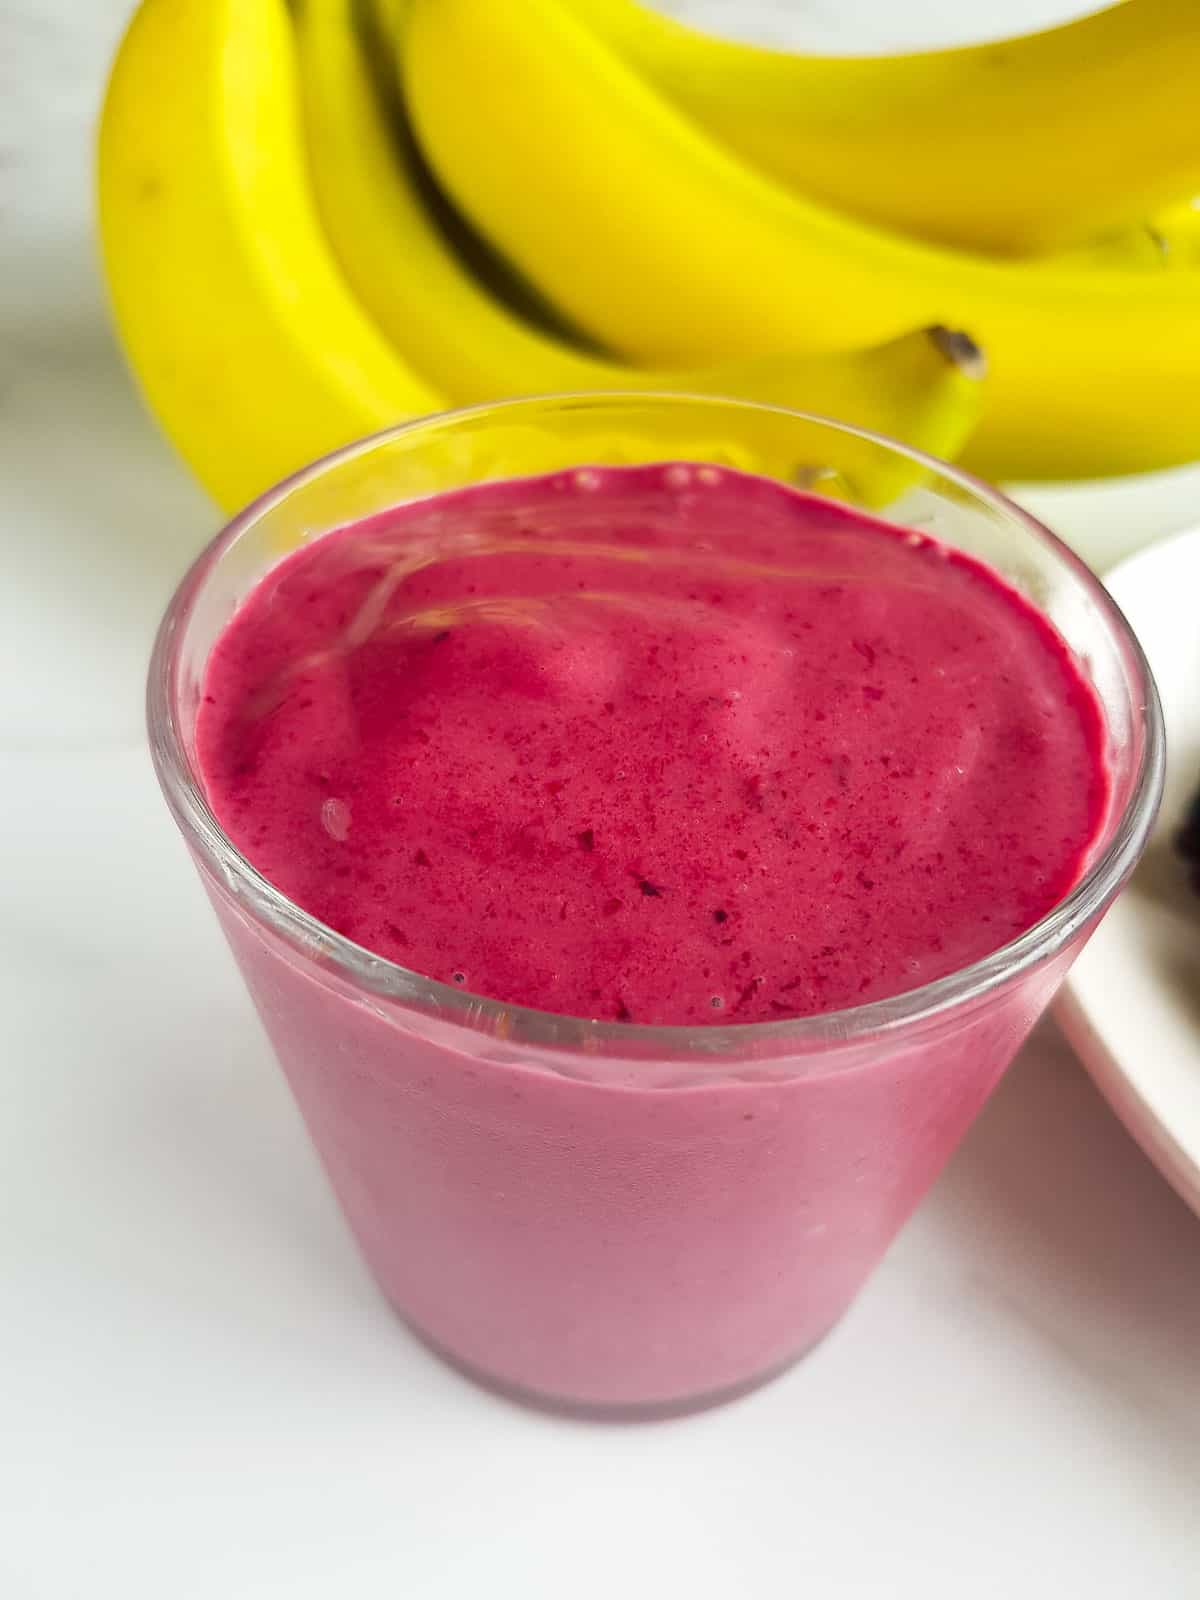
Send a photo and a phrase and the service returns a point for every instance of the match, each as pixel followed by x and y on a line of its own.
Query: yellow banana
pixel 1169 242
pixel 921 388
pixel 1176 232
pixel 246 341
pixel 1016 146
pixel 668 248
pixel 395 255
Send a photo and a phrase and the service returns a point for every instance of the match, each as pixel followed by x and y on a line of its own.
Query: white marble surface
pixel 200 1393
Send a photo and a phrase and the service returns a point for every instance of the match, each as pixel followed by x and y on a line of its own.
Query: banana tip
pixel 960 350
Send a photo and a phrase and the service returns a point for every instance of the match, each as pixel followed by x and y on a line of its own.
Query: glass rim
pixel 386 979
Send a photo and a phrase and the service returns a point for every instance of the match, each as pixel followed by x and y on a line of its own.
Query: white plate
pixel 1132 1004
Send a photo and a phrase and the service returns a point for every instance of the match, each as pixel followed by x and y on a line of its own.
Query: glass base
pixel 605 1411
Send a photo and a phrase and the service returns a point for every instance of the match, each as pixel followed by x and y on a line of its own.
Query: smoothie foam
pixel 663 745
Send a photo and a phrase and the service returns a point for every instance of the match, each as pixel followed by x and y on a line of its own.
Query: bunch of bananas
pixel 320 218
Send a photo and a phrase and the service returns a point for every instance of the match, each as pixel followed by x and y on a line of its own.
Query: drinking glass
pixel 602 1216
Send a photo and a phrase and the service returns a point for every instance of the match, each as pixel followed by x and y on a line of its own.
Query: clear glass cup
pixel 613 1218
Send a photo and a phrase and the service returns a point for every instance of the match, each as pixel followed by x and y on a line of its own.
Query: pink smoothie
pixel 709 753
pixel 662 745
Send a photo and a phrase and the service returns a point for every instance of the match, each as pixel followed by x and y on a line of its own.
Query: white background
pixel 201 1394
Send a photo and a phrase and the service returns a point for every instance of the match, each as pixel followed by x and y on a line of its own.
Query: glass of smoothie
pixel 647 827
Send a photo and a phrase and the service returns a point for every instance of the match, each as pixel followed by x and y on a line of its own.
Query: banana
pixel 1176 231
pixel 247 344
pixel 668 248
pixel 922 388
pixel 394 254
pixel 1169 242
pixel 1016 146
